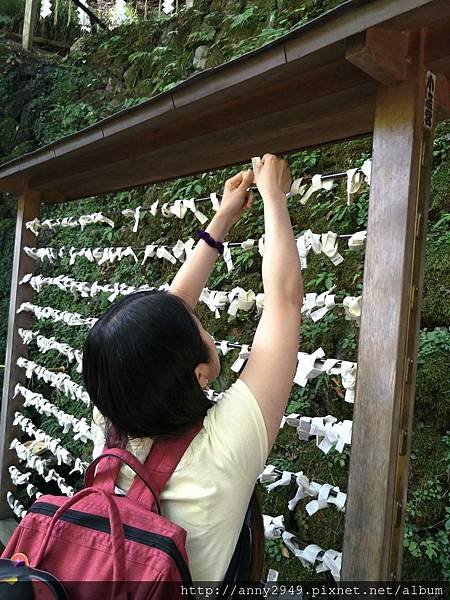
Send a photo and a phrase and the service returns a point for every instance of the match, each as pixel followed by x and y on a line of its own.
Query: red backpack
pixel 102 545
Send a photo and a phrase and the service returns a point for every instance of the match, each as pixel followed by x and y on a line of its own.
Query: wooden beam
pixel 228 91
pixel 38 40
pixel 387 356
pixel 443 96
pixel 29 24
pixel 437 47
pixel 27 209
pixel 381 53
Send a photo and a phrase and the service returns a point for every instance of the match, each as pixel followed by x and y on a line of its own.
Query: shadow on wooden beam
pixel 381 53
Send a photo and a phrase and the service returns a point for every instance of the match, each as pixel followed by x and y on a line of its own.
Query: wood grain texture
pixel 27 209
pixel 273 80
pixel 443 96
pixel 388 337
pixel 381 53
pixel 437 48
pixel 29 23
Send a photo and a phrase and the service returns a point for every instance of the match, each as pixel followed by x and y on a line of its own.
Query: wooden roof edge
pixel 294 46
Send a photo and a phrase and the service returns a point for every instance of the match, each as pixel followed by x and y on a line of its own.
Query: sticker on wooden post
pixel 429 100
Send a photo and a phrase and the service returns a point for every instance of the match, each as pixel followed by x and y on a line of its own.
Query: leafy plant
pixel 239 20
pixel 274 549
pixel 431 341
pixel 323 279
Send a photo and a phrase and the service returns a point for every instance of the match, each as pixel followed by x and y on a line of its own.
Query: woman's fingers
pixel 247 179
pixel 250 199
pixel 233 182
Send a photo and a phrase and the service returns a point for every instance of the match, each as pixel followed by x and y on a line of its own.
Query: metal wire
pixel 253 188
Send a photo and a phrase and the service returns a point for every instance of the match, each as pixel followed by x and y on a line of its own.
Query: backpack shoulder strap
pixel 103 471
pixel 161 462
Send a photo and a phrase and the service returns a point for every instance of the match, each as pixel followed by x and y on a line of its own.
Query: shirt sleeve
pixel 237 432
pixel 97 432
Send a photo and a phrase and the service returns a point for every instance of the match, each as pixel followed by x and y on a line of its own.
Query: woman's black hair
pixel 138 366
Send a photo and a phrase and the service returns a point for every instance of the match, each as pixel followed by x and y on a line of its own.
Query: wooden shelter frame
pixel 378 66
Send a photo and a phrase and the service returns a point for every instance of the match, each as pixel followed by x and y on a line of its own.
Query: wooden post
pixel 27 209
pixel 29 23
pixel 387 357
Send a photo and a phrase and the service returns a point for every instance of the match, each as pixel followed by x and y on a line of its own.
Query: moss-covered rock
pixel 436 299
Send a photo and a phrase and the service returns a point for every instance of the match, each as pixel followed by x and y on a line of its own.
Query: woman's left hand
pixel 236 197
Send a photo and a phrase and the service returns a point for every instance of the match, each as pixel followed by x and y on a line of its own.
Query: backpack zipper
pixel 133 534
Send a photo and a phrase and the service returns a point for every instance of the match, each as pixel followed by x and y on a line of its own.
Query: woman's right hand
pixel 272 176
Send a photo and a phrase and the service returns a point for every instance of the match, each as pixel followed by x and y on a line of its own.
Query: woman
pixel 148 361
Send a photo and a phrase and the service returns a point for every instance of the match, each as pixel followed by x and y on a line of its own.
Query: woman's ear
pixel 202 373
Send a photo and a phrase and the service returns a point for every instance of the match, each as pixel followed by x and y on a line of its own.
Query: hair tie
pixel 204 235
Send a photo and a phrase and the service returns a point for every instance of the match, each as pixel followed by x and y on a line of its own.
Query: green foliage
pixel 431 542
pixel 433 342
pixel 323 280
pixel 436 303
pixel 433 387
pixel 66 26
pixel 201 36
pixel 274 550
pixel 11 12
pixel 241 19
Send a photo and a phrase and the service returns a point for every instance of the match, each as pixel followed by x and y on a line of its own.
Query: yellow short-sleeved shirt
pixel 209 492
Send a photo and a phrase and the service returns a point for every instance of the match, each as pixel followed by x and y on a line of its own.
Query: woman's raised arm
pixel 193 275
pixel 271 367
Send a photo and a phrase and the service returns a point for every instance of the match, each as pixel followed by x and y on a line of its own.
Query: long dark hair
pixel 138 366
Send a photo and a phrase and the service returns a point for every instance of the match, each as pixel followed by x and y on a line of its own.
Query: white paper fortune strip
pixel 356 177
pixel 17 477
pixel 47 312
pixel 36 225
pixel 273 527
pixel 319 243
pixel 357 240
pixel 79 467
pixel 348 377
pixel 328 431
pixel 85 289
pixel 306 242
pixel 324 495
pixel 315 306
pixel 216 300
pixel 45 344
pixel 60 381
pixel 41 253
pixel 326 243
pixel 179 208
pixel 99 255
pixel 18 509
pixel 309 366
pixel 41 466
pixel 352 307
pixel 325 560
pixel 244 354
pixel 51 443
pixel 317 184
pixel 32 460
pixel 80 427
